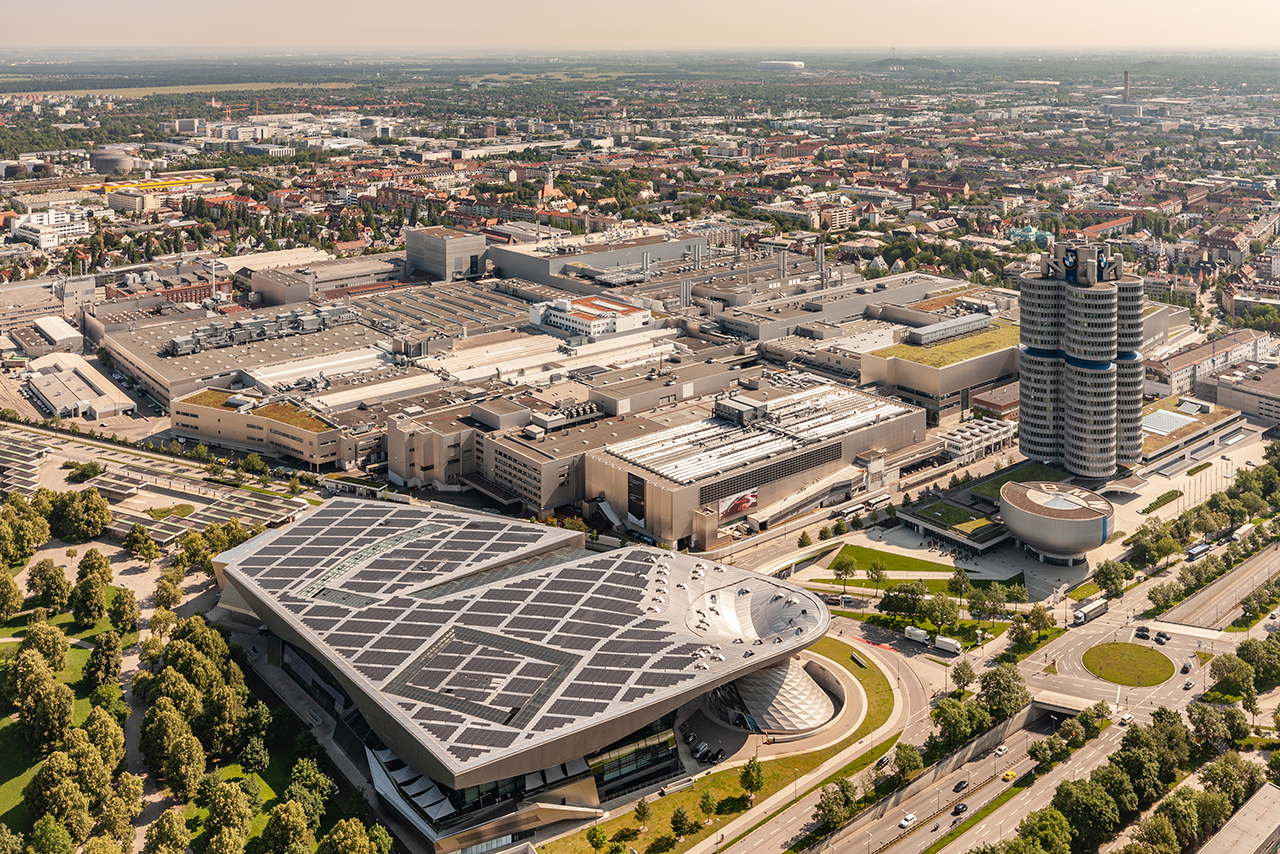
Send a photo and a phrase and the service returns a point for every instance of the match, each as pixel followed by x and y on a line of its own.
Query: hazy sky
pixel 451 27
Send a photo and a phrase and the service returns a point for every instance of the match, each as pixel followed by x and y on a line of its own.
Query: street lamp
pixel 938 804
pixel 1000 830
pixel 868 842
pixel 795 785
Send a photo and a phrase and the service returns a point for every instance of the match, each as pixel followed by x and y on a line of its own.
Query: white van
pixel 1126 719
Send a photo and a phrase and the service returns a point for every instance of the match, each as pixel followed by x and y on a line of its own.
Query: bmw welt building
pixel 497 677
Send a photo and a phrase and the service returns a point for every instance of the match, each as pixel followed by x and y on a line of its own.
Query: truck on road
pixel 1088 612
pixel 918 635
pixel 951 645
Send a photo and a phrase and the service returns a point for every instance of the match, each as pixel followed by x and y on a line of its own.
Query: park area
pixel 1128 664
pixel 955 518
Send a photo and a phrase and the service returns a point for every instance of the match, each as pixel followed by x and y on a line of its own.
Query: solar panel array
pixel 488 634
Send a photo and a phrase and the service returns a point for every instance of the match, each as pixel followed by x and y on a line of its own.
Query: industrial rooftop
pixel 796 417
pixel 491 641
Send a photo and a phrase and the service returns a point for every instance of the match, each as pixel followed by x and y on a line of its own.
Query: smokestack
pixel 1126 87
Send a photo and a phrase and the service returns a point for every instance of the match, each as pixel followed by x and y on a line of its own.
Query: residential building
pixel 1178 374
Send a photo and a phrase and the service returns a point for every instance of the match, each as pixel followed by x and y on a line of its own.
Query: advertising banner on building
pixel 736 505
pixel 635 499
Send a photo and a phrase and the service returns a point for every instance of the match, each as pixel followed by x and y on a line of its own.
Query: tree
pixel 836 803
pixel 1040 619
pixel 596 837
pixel 254 758
pixel 184 765
pixel 162 621
pixel 104 661
pixel 1020 631
pixel 941 610
pixel 804 541
pixel 10 596
pixel 906 761
pixel 310 788
pixel 681 824
pixel 751 778
pixel 959 585
pixel 904 598
pixel 168 834
pixel 48 583
pixel 877 574
pixel 48 836
pixel 1041 751
pixel 106 735
pixel 286 828
pixel 1115 782
pixel 824 533
pixel 839 528
pixel 228 809
pixel 94 565
pixel 1232 674
pixel 10 842
pixel 844 567
pixel 952 721
pixel 138 541
pixel 167 595
pixel 48 640
pixel 643 813
pixel 1208 724
pixel 1003 692
pixel 44 705
pixel 707 805
pixel 1072 732
pixel 962 674
pixel 89 602
pixel 253 464
pixel 123 611
pixel 1048 829
pixel 1110 577
pixel 1090 811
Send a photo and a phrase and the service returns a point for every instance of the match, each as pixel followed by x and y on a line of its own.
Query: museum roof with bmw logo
pixel 479 647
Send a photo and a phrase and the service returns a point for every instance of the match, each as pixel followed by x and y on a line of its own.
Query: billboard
pixel 635 499
pixel 736 505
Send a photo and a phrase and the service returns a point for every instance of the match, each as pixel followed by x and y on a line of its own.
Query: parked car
pixel 719 757
pixel 691 739
pixel 907 820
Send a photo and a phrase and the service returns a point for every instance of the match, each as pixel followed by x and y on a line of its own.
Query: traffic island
pixel 1128 664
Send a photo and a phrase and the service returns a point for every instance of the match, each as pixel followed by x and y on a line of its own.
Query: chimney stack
pixel 1126 87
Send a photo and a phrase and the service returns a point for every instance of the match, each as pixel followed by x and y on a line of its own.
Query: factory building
pixel 445 253
pixel 589 317
pixel 761 447
pixel 72 387
pixel 273 426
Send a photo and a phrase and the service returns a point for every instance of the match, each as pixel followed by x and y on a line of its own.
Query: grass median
pixel 730 799
pixel 1128 664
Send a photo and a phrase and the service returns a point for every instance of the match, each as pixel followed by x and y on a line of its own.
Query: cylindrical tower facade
pixel 1081 372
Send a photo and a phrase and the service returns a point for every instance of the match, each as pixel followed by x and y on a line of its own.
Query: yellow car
pixel 1009 775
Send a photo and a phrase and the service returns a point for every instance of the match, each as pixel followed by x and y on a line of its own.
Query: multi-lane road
pixel 880 832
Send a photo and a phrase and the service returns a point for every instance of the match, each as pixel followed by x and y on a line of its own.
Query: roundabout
pixel 1128 664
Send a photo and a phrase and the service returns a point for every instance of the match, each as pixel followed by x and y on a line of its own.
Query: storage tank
pixel 106 161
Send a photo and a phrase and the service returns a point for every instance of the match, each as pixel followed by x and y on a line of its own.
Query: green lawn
pixel 1084 591
pixel 966 632
pixel 948 514
pixel 778 773
pixel 21 762
pixel 892 562
pixel 1242 624
pixel 1128 664
pixel 1016 654
pixel 1019 474
pixel 16 626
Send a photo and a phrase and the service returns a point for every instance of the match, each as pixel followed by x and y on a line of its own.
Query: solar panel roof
pixel 435 617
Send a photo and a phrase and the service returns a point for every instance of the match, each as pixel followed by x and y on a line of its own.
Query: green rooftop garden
pixel 1025 473
pixel 999 337
pixel 1152 442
